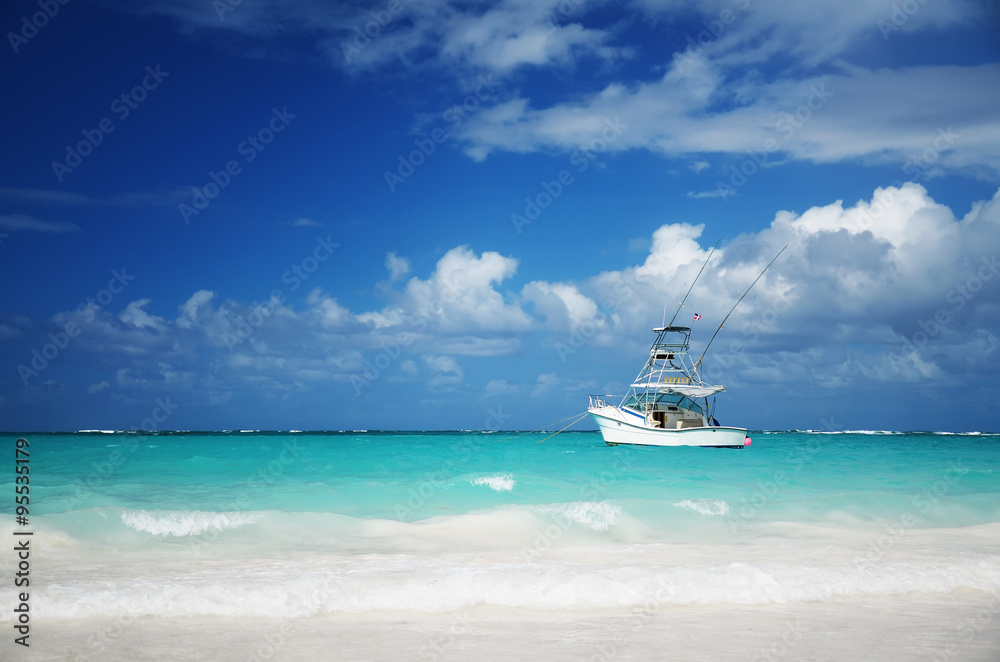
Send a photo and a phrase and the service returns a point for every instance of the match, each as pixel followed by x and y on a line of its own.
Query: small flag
pixel 697 316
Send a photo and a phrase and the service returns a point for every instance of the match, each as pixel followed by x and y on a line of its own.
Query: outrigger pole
pixel 698 362
pixel 692 285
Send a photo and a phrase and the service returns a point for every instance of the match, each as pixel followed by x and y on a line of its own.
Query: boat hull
pixel 618 431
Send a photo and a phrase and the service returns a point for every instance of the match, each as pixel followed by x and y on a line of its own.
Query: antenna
pixel 692 286
pixel 698 362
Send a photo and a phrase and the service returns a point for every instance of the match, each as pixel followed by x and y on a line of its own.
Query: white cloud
pixel 330 314
pixel 498 387
pixel 811 33
pixel 728 88
pixel 498 36
pixel 459 297
pixel 853 113
pixel 193 308
pixel 894 289
pixel 126 378
pixel 11 331
pixel 516 33
pixel 46 196
pixel 872 276
pixel 97 388
pixel 548 383
pixel 25 223
pixel 59 198
pixel 139 318
pixel 562 304
pixel 398 266
pixel 217 347
pixel 720 192
pixel 409 369
pixel 448 373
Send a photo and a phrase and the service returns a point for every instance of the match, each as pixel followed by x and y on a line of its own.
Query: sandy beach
pixel 961 626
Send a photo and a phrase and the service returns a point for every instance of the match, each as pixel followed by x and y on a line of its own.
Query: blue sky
pixel 428 215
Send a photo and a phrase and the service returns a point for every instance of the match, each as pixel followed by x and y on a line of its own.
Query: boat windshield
pixel 645 401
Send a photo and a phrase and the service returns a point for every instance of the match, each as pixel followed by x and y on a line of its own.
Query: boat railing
pixel 669 348
pixel 598 401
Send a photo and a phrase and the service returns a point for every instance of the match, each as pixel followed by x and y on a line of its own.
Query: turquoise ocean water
pixel 239 524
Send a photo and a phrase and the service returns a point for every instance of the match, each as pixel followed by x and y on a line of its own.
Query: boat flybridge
pixel 667 404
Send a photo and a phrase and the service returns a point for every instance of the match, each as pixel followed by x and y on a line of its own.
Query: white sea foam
pixel 599 516
pixel 868 432
pixel 711 507
pixel 962 434
pixel 361 584
pixel 500 483
pixel 185 522
pixel 306 564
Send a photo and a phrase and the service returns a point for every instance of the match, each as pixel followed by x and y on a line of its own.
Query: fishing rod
pixel 698 362
pixel 692 284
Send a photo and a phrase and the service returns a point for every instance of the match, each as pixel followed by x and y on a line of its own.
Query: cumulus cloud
pixel 460 296
pixel 562 304
pixel 891 289
pixel 214 346
pixel 897 282
pixel 329 314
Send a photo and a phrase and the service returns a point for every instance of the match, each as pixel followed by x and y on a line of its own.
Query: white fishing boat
pixel 662 408
pixel 667 404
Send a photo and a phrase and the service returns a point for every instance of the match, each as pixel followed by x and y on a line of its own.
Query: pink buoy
pixel 747 442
